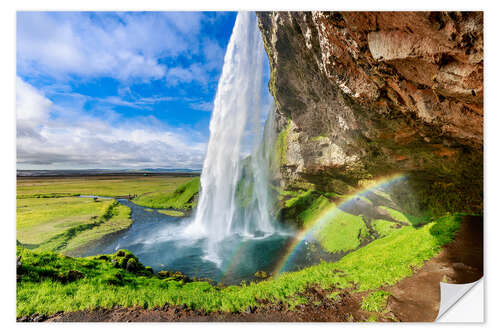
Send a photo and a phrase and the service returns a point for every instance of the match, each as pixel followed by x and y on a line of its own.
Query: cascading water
pixel 234 195
pixel 233 227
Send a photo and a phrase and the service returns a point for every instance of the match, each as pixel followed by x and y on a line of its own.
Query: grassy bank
pixel 342 223
pixel 105 284
pixel 183 197
pixel 51 216
pixel 65 224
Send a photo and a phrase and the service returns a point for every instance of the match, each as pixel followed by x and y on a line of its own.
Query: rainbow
pixel 327 214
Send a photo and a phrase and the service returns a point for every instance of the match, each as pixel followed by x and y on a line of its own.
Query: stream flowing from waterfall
pixel 233 233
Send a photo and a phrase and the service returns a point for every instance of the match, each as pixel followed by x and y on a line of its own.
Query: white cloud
pixel 195 72
pixel 122 46
pixel 202 106
pixel 32 109
pixel 77 140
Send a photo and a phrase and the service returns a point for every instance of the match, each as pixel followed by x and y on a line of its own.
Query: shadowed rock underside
pixel 366 94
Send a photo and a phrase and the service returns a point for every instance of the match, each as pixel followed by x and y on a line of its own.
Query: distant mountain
pixel 82 172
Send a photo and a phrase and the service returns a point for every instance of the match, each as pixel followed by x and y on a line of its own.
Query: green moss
pixel 301 199
pixel 376 301
pixel 281 145
pixel 381 263
pixel 181 198
pixel 319 137
pixel 303 207
pixel 311 213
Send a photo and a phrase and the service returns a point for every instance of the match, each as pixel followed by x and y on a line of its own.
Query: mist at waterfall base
pixel 232 234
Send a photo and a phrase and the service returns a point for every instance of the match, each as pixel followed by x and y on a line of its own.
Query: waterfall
pixel 235 198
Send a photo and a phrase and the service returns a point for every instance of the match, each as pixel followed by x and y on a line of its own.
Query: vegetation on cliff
pixel 348 84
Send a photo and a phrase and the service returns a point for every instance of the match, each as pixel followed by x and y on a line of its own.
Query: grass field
pixel 65 224
pixel 107 186
pixel 39 219
pixel 105 284
pixel 50 215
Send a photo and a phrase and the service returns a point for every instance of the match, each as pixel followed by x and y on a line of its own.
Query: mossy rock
pixel 132 265
pixel 261 275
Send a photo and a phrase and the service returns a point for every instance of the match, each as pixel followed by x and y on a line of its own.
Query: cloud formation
pixel 119 45
pixel 116 89
pixel 73 139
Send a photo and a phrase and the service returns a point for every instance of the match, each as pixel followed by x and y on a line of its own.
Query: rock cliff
pixel 365 94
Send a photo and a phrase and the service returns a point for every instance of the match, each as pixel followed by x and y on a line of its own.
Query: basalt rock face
pixel 366 94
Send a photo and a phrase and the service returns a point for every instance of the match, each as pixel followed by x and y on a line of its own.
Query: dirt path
pixel 415 298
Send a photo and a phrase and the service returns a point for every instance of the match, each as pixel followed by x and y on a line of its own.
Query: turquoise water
pixel 159 241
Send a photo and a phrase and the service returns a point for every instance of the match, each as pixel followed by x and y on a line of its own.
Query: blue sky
pixel 117 90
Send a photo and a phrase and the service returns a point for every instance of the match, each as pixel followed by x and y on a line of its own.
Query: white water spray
pixel 234 198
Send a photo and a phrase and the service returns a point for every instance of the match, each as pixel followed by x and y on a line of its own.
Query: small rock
pixel 75 275
pixel 131 265
pixel 163 274
pixel 261 274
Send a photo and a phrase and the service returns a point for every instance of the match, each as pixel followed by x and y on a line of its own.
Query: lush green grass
pixel 398 216
pixel 303 206
pixel 117 218
pixel 375 301
pixel 380 263
pixel 338 230
pixel 342 232
pixel 41 219
pixel 181 198
pixel 64 224
pixel 383 227
pixel 47 195
pixel 312 212
pixel 107 186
